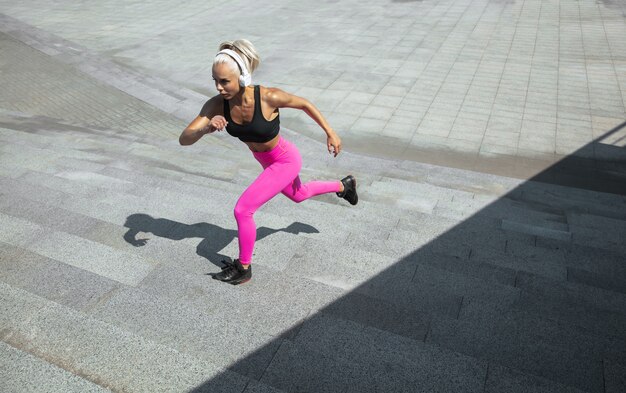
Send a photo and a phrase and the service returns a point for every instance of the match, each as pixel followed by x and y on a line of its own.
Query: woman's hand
pixel 217 123
pixel 333 142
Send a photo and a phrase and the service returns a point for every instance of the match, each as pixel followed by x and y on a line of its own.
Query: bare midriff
pixel 263 146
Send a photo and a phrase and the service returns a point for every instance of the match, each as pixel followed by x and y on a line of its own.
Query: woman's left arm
pixel 277 98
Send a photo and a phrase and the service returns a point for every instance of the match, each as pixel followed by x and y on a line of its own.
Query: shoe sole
pixel 356 196
pixel 239 282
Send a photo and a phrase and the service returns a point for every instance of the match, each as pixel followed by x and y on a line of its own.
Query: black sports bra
pixel 259 129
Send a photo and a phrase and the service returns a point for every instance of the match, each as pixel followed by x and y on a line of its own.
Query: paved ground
pixel 506 87
pixel 441 279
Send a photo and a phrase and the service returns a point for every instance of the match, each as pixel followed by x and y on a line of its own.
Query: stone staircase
pixel 439 280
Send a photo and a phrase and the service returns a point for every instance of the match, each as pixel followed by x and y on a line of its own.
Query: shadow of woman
pixel 214 238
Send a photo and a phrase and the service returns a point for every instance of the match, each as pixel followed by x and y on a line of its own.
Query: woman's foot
pixel 234 273
pixel 349 190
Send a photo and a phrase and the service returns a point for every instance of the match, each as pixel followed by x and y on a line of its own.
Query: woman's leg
pixel 298 192
pixel 270 182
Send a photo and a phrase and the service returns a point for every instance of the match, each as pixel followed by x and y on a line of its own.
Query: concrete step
pixel 48 278
pixel 115 207
pixel 220 336
pixel 595 309
pixel 17 147
pixel 512 338
pixel 377 361
pixel 334 355
pixel 117 265
pixel 591 230
pixel 186 252
pixel 23 372
pixel 489 273
pixel 587 265
pixel 504 379
pixel 408 195
pixel 91 155
pixel 572 199
pixel 144 148
pixel 267 289
pixel 457 179
pixel 196 246
pixel 190 313
pixel 100 352
pixel 351 267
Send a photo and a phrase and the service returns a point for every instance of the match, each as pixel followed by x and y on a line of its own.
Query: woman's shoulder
pixel 272 95
pixel 269 89
pixel 213 106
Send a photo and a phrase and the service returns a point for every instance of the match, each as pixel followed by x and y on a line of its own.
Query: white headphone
pixel 245 79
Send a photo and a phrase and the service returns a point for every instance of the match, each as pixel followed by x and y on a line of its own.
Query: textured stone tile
pixel 502 379
pixel 102 351
pixel 53 280
pixel 179 326
pixel 419 366
pixel 614 376
pixel 25 372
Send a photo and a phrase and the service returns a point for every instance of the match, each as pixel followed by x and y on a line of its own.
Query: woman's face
pixel 226 80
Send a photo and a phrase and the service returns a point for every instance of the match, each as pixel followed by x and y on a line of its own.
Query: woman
pixel 250 113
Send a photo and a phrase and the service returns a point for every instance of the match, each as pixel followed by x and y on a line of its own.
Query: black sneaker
pixel 234 273
pixel 349 190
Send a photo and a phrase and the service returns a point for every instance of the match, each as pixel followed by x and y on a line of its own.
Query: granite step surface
pixel 100 352
pixel 23 372
pixel 109 234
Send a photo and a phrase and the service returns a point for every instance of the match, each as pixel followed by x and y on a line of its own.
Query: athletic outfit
pixel 281 166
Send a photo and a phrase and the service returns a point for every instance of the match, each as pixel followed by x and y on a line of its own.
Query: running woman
pixel 251 113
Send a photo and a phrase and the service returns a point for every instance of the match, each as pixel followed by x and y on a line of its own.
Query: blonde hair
pixel 245 49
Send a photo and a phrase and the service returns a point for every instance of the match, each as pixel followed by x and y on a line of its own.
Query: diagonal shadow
pixel 214 238
pixel 526 294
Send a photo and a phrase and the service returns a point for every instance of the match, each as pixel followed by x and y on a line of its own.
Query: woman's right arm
pixel 209 120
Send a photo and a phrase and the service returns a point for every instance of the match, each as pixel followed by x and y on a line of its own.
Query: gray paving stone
pixel 381 315
pixel 521 341
pixel 274 247
pixel 303 370
pixel 560 233
pixel 447 243
pixel 461 285
pixel 392 249
pixel 344 267
pixel 45 215
pixel 220 338
pixel 70 186
pixel 580 294
pixel 436 67
pixel 614 376
pixel 484 271
pixel 613 240
pixel 19 232
pixel 502 379
pixel 117 265
pixel 256 387
pixel 53 280
pixel 23 372
pixel 576 304
pixel 596 260
pixel 100 351
pixel 407 364
pixel 551 268
pixel 266 288
pixel 610 283
pixel 386 286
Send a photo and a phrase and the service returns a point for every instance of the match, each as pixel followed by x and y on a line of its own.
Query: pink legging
pixel 281 166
